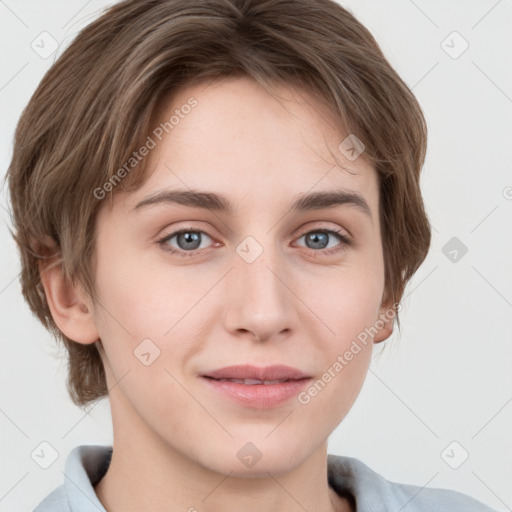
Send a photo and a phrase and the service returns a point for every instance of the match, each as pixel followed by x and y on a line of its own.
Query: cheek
pixel 345 300
pixel 144 300
pixel 142 316
pixel 345 356
pixel 145 308
pixel 347 308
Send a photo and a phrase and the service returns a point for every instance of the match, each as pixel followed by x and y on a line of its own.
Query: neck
pixel 150 474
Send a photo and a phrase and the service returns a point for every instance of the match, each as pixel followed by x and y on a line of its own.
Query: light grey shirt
pixel 349 477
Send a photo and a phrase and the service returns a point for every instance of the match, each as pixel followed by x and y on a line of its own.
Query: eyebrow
pixel 217 202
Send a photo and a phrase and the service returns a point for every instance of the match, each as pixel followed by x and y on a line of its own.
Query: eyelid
pixel 324 227
pixel 169 232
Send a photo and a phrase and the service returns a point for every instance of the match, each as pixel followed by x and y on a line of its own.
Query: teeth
pixel 252 382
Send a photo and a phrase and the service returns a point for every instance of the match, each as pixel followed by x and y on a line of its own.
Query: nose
pixel 260 303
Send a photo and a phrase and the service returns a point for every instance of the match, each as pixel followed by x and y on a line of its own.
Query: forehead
pixel 245 143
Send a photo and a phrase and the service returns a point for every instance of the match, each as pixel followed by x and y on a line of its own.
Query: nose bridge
pixel 259 276
pixel 259 300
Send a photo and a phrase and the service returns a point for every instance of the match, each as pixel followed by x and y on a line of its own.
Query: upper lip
pixel 274 372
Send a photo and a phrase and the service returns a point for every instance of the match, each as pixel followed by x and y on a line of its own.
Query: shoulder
pixel 56 501
pixel 85 466
pixel 372 492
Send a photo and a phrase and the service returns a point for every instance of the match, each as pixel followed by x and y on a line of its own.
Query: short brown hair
pixel 96 103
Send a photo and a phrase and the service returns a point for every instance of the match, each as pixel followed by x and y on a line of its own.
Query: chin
pixel 255 459
pixel 260 470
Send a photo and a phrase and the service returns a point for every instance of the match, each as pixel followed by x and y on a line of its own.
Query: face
pixel 185 290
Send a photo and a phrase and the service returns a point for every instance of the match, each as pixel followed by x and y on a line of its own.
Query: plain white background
pixel 447 377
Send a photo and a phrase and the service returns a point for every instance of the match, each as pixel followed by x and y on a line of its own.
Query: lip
pixel 259 396
pixel 274 372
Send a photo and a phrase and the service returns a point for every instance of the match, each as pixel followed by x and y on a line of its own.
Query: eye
pixel 188 240
pixel 319 240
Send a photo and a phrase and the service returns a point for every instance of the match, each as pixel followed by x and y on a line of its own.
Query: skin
pixel 175 439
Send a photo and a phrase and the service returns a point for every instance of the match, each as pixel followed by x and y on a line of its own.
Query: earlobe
pixel 384 323
pixel 69 305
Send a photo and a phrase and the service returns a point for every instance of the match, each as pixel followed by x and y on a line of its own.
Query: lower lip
pixel 259 396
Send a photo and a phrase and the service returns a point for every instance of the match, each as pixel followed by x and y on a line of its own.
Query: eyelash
pixel 345 242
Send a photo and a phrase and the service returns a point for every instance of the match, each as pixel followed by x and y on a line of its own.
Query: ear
pixel 70 306
pixel 384 322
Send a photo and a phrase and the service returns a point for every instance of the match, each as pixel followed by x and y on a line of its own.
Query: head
pixel 239 99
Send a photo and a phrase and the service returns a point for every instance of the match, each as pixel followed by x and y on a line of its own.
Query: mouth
pixel 253 382
pixel 254 387
pixel 251 375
